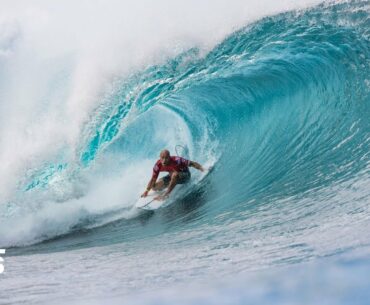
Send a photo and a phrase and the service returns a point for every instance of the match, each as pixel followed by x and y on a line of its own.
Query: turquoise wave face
pixel 280 108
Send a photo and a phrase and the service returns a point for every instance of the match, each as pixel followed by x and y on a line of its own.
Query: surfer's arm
pixel 196 165
pixel 150 185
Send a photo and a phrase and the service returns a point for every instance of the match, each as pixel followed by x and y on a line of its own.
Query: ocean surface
pixel 275 98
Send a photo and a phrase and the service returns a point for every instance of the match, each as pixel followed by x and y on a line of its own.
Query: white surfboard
pixel 149 203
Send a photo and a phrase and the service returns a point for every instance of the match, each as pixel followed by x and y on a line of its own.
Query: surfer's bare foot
pixel 161 197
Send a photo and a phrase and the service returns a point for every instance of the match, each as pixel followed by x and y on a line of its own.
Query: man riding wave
pixel 178 169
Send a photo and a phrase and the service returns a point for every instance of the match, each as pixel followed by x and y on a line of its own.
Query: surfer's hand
pixel 144 194
pixel 207 169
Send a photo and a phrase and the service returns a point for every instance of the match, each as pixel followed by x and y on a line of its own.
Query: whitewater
pixel 274 96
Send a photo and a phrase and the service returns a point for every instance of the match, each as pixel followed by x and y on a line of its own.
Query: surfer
pixel 178 169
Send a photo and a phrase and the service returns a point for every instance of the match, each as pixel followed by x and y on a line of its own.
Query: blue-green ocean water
pixel 280 108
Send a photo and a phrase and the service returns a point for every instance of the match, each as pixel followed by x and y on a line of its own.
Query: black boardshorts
pixel 183 177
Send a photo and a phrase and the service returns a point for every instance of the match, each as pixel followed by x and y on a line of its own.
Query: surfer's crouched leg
pixel 180 178
pixel 160 185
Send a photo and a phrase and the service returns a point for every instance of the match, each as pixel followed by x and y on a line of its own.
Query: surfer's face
pixel 165 159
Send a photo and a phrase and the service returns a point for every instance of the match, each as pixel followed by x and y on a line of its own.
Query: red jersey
pixel 177 164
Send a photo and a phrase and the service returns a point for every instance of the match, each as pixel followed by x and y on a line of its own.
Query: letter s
pixel 2 251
